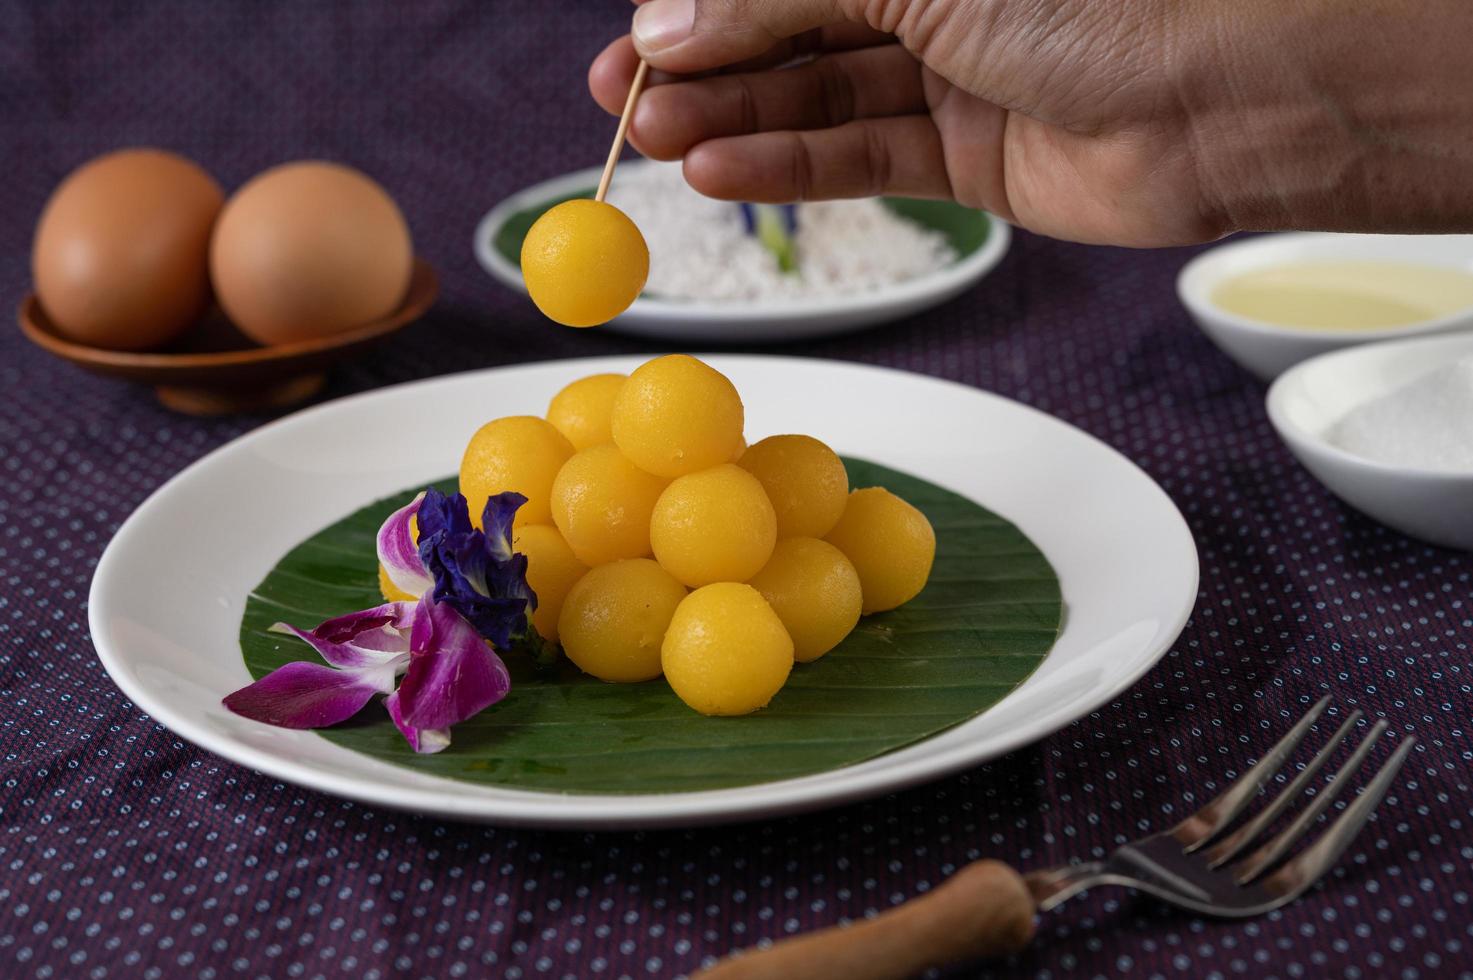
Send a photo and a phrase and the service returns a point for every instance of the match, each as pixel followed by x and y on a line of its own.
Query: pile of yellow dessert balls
pixel 659 542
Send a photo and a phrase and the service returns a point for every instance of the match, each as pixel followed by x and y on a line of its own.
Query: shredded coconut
pixel 1426 423
pixel 700 250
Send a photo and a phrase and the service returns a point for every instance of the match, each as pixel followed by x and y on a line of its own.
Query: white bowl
pixel 762 321
pixel 1307 401
pixel 1268 350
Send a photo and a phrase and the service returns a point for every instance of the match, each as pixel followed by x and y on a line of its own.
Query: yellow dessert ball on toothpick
pixel 677 415
pixel 552 569
pixel 805 480
pixel 582 410
pixel 614 619
pixel 713 526
pixel 520 453
pixel 602 504
pixel 726 652
pixel 815 591
pixel 584 262
pixel 891 544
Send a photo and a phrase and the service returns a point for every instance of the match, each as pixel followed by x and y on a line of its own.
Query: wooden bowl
pixel 214 369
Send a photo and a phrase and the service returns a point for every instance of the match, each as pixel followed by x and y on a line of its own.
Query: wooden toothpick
pixel 634 89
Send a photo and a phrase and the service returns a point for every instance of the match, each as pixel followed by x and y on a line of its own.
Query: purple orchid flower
pixel 452 675
pixel 449 671
pixel 366 650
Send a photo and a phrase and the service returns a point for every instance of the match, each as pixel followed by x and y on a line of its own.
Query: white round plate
pixel 747 321
pixel 169 592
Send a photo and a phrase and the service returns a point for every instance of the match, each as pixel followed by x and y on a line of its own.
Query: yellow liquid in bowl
pixel 1347 295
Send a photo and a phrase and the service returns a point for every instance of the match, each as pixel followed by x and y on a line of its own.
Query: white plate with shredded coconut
pixel 861 262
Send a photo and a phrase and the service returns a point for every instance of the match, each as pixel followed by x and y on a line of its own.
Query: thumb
pixel 686 36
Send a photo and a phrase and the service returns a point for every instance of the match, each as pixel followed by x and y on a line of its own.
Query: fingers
pixel 696 35
pixel 609 78
pixel 848 124
pixel 896 155
pixel 675 113
pixel 611 74
pixel 613 69
pixel 829 91
pixel 844 36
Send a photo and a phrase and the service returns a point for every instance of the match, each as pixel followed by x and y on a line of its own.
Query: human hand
pixel 1137 122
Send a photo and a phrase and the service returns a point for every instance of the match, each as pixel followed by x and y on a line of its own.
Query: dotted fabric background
pixel 126 852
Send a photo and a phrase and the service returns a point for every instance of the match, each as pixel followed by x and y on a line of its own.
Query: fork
pixel 986 909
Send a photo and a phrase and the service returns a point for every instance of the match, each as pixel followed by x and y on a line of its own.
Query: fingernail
pixel 661 24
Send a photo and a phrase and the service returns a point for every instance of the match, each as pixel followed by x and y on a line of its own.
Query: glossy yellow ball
pixel 677 415
pixel 891 544
pixel 602 504
pixel 614 619
pixel 713 526
pixel 582 410
pixel 518 453
pixel 726 652
pixel 815 591
pixel 805 480
pixel 552 568
pixel 584 262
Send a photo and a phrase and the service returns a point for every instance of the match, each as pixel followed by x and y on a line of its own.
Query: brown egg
pixel 309 249
pixel 119 258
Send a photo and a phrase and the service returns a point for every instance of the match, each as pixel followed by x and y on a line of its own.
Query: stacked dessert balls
pixel 659 542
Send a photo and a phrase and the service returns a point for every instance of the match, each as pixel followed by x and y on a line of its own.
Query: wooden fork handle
pixel 982 910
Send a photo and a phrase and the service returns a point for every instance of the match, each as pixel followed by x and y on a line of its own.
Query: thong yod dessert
pixel 585 531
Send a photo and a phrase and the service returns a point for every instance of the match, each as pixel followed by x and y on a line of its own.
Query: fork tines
pixel 1203 830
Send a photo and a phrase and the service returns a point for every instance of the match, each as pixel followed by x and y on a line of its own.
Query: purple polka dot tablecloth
pixel 127 852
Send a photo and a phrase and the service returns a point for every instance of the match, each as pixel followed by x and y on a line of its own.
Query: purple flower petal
pixel 452 673
pixel 370 638
pixel 441 517
pixel 476 571
pixel 424 741
pixel 308 695
pixel 398 552
pixel 496 520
